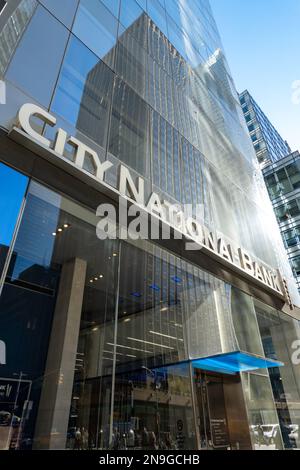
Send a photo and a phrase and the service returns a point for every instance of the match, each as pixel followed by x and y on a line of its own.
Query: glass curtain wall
pixel 262 416
pixel 106 319
pixel 154 93
pixel 281 339
pixel 133 316
pixel 59 277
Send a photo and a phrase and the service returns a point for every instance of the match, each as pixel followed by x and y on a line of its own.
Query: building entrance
pixel 221 414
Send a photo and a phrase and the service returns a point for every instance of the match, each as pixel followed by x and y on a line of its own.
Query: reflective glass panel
pixel 12 191
pixel 97 28
pixel 63 10
pixel 263 420
pixel 35 65
pixel 83 92
pixel 129 131
pixel 60 285
pixel 281 338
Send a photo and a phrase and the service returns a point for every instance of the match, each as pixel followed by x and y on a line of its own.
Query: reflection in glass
pixel 83 92
pixel 94 21
pixel 53 234
pixel 64 11
pixel 12 31
pixel 263 420
pixel 151 398
pixel 153 409
pixel 12 191
pixel 35 65
pixel 129 131
pixel 280 333
pixel 130 11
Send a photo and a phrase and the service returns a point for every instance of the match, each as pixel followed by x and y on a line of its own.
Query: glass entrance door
pixel 221 413
pixel 213 423
pixel 153 409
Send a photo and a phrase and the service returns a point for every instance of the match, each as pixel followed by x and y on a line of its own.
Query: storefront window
pixel 153 409
pixel 263 420
pixel 120 328
pixel 280 334
pixel 152 405
pixel 12 191
pixel 60 277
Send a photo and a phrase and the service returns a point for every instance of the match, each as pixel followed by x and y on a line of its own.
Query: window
pixel 158 14
pixel 113 6
pixel 83 93
pixel 97 28
pixel 293 171
pixel 13 30
pixel 132 59
pixel 272 325
pixel 128 139
pixel 272 186
pixel 35 65
pixel 64 11
pixel 165 150
pixel 257 147
pixel 283 181
pixel 12 190
pixel 130 12
pixel 289 210
pixel 43 262
pixel 296 265
pixel 291 237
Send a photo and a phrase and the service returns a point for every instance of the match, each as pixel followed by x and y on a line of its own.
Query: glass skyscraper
pixel 268 144
pixel 281 172
pixel 283 183
pixel 136 344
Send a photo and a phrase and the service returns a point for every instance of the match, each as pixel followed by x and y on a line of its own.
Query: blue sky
pixel 262 44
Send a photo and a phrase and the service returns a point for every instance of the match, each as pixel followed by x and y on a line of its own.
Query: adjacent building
pixel 281 171
pixel 268 144
pixel 283 183
pixel 136 343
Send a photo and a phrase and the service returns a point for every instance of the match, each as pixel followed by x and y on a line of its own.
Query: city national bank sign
pixel 134 191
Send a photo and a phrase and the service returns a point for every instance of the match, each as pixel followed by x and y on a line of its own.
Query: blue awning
pixel 234 362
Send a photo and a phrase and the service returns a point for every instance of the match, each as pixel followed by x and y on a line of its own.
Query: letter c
pixel 26 112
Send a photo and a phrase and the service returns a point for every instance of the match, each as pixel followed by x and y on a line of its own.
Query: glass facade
pixel 11 202
pixel 282 180
pixel 127 377
pixel 121 326
pixel 268 144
